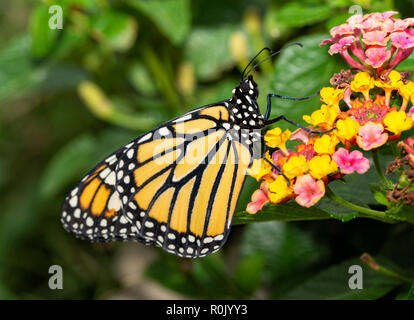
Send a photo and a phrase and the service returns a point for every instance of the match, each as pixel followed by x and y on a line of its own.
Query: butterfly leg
pixel 273 95
pixel 279 171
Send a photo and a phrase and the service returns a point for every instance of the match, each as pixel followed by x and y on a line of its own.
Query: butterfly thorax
pixel 243 106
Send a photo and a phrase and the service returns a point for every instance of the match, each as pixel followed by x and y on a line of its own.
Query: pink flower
pixel 411 113
pixel 309 191
pixel 377 56
pixel 373 39
pixel 300 135
pixel 378 38
pixel 350 162
pixel 259 198
pixel 371 136
pixel 341 45
pixel 403 40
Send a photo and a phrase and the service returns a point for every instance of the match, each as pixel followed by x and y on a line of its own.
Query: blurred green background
pixel 70 97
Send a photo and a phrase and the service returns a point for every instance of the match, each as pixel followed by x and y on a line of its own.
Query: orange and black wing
pixel 176 186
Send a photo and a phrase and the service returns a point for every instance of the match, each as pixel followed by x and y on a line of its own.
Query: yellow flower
pixel 279 189
pixel 362 82
pixel 324 117
pixel 321 166
pixel 397 122
pixel 407 92
pixel 295 166
pixel 275 138
pixel 260 168
pixel 326 144
pixel 347 129
pixel 394 82
pixel 331 96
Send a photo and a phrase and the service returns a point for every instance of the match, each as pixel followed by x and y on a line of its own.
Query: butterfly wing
pixel 176 186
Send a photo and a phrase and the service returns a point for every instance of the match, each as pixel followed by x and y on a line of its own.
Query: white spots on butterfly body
pixel 145 137
pixel 208 240
pixel 129 145
pixel 89 222
pixel 226 125
pixel 130 153
pixel 238 101
pixel 104 173
pixel 111 159
pixel 149 224
pixel 252 122
pixel 251 92
pixel 248 98
pixel 219 237
pixel 163 131
pixel 111 178
pixel 246 114
pixel 77 213
pixel 123 220
pixel 251 85
pixel 235 110
pixel 73 201
pixel 114 202
pixel 183 118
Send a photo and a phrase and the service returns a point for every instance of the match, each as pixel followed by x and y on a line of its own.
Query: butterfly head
pixel 243 104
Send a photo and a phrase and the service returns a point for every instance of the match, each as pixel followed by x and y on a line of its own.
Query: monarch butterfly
pixel 177 185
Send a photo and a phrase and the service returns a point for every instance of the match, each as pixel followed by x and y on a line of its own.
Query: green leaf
pixel 332 284
pixel 67 164
pixel 297 14
pixel 18 75
pixel 208 50
pixel 335 211
pixel 173 17
pixel 248 273
pixel 115 29
pixel 289 211
pixel 301 72
pixel 410 295
pixel 43 37
pixel 407 64
pixel 288 252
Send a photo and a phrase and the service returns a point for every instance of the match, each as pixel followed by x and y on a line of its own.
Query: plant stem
pixel 370 262
pixel 378 166
pixel 365 212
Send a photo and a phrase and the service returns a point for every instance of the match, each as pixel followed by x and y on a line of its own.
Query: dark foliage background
pixel 70 97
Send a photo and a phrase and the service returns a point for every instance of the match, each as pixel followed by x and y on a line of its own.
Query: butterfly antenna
pixel 272 55
pixel 254 58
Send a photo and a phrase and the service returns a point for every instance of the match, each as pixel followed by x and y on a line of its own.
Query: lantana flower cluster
pixel 364 108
